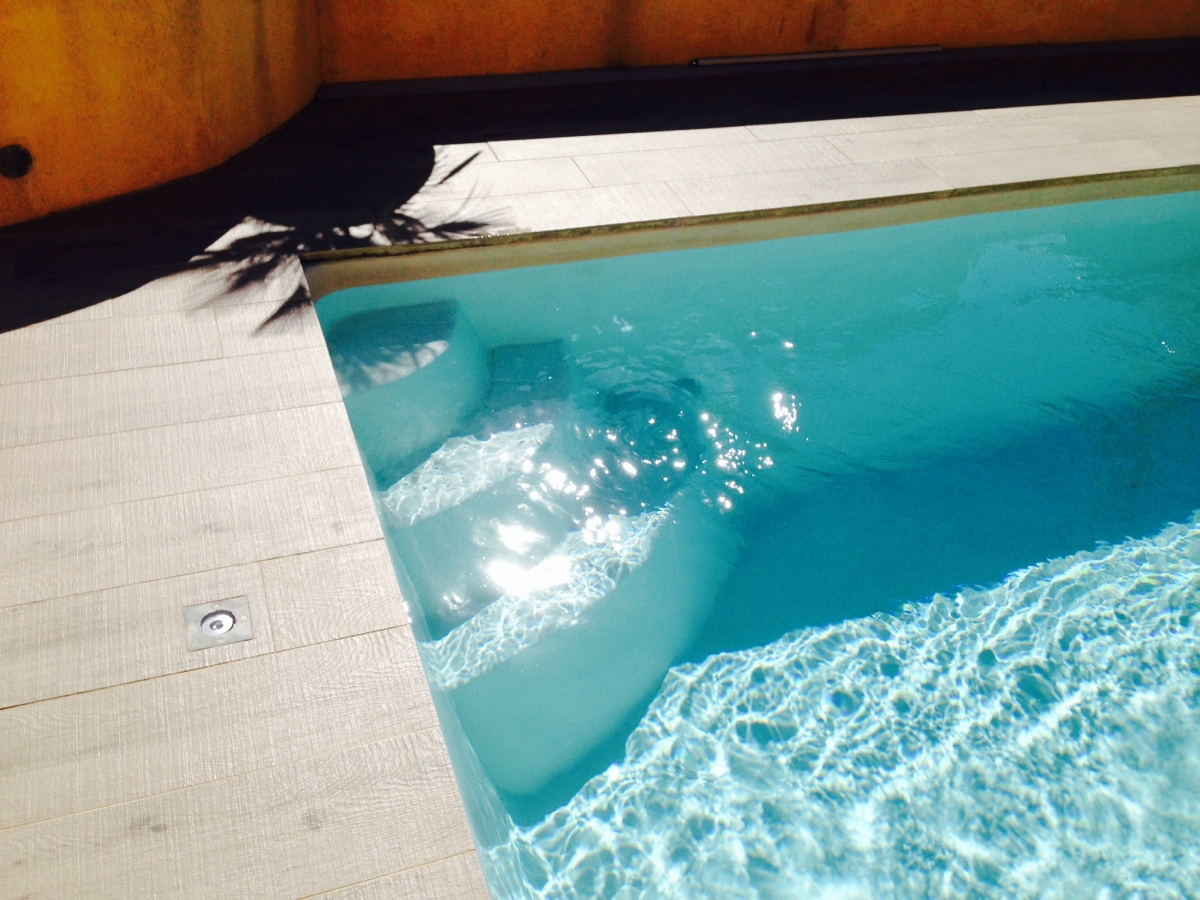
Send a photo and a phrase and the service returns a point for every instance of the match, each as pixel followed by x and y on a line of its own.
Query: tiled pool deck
pixel 159 450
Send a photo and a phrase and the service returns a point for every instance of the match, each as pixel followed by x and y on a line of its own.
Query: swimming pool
pixel 846 565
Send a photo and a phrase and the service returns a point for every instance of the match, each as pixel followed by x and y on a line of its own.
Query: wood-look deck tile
pixel 917 143
pixel 37 479
pixel 40 411
pixel 136 740
pixel 98 639
pixel 1061 110
pixel 101 310
pixel 82 346
pixel 332 594
pixel 1177 149
pixel 706 196
pixel 64 553
pixel 1097 126
pixel 543 148
pixel 973 169
pixel 489 179
pixel 456 878
pixel 275 834
pixel 244 523
pixel 824 127
pixel 247 328
pixel 645 166
pixel 594 206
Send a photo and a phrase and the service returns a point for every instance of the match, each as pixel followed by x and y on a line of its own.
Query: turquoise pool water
pixel 846 566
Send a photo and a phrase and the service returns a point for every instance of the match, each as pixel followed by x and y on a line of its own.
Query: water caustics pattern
pixel 582 569
pixel 1039 739
pixel 460 469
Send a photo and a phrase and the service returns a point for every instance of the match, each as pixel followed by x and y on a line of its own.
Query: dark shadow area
pixel 356 154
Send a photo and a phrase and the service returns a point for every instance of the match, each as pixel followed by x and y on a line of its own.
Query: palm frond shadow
pixel 255 258
pixel 359 156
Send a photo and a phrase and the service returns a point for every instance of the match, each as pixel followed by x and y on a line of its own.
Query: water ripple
pixel 1039 739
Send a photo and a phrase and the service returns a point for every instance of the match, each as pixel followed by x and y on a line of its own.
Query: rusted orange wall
pixel 659 32
pixel 115 95
pixel 368 40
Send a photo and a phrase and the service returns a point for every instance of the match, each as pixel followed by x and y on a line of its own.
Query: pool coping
pixel 328 271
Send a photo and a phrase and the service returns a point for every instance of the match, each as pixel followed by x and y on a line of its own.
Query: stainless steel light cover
pixel 214 624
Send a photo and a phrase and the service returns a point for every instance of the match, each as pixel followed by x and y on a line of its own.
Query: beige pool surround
pixel 172 447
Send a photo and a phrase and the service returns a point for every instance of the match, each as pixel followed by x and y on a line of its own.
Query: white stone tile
pixel 39 479
pixel 1177 149
pixel 712 196
pixel 136 740
pixel 180 292
pixel 67 553
pixel 1012 166
pixel 491 214
pixel 57 409
pixel 184 533
pixel 102 310
pixel 1056 110
pixel 917 143
pixel 68 645
pixel 595 206
pixel 1098 125
pixel 449 156
pixel 564 209
pixel 332 594
pixel 247 328
pixel 822 127
pixel 490 179
pixel 78 346
pixel 648 166
pixel 213 285
pixel 541 148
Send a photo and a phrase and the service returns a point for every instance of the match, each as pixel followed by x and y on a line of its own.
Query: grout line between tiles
pixel 579 169
pixel 266 602
pixel 670 186
pixel 836 149
pixel 124 544
pixel 220 338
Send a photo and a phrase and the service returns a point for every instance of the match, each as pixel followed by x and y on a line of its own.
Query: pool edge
pixel 333 270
